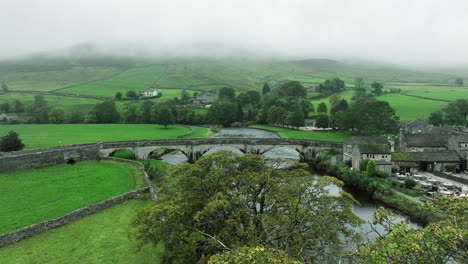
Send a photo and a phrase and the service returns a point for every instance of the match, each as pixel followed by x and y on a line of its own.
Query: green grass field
pixel 39 136
pixel 136 79
pixel 315 135
pixel 408 108
pixel 200 132
pixel 51 80
pixel 35 195
pixel 98 238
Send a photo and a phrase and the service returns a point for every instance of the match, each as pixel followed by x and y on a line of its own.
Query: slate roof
pixel 426 156
pixel 382 162
pixel 373 148
pixel 460 138
pixel 366 140
pixel 426 140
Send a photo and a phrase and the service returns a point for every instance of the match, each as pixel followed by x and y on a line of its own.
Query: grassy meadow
pixel 40 136
pixel 35 195
pixel 136 79
pixel 42 80
pixel 98 238
pixel 313 135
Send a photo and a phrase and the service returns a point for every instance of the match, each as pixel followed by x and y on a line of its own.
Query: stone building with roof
pixel 8 117
pixel 426 161
pixel 380 153
pixel 205 98
pixel 350 143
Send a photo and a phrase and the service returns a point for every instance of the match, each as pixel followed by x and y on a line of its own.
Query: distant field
pixel 68 104
pixel 98 238
pixel 39 136
pixel 35 195
pixel 51 80
pixel 316 135
pixel 437 92
pixel 408 108
pixel 136 79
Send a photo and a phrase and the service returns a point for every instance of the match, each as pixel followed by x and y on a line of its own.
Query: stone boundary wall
pixel 452 177
pixel 13 237
pixel 187 134
pixel 142 168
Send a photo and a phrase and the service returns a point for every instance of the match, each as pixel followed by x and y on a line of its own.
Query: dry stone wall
pixel 13 237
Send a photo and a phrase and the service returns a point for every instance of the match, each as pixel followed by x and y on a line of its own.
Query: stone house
pixel 422 142
pixel 426 161
pixel 460 145
pixel 416 126
pixel 149 93
pixel 380 153
pixel 350 143
pixel 205 98
pixel 8 117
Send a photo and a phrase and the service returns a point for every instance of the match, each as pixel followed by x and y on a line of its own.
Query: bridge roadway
pixel 192 148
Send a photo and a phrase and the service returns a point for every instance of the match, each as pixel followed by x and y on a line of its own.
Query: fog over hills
pixel 411 33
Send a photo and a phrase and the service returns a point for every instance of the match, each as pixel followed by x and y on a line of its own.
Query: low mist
pixel 413 33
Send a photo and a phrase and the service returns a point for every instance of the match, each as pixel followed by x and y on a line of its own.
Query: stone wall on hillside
pixel 13 237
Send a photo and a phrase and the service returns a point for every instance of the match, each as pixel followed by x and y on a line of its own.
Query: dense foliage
pixel 11 142
pixel 224 202
pixel 444 241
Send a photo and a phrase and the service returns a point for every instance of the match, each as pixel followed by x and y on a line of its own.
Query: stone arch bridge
pixel 193 149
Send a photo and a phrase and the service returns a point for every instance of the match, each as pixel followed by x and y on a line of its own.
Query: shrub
pixel 363 165
pixel 236 124
pixel 215 129
pixel 381 174
pixel 409 183
pixel 370 168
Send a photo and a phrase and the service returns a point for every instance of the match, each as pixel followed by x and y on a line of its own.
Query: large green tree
pixel 225 112
pixel 370 117
pixel 266 88
pixel 292 88
pixel 105 112
pixel 165 116
pixel 377 88
pixel 229 201
pixel 11 142
pixel 456 112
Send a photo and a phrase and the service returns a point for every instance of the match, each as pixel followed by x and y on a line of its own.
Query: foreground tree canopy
pixel 444 241
pixel 224 202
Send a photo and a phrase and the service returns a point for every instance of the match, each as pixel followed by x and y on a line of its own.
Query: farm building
pixel 205 98
pixel 380 153
pixel 8 117
pixel 350 143
pixel 149 93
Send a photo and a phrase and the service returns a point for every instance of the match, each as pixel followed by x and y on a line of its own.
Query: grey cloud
pixel 406 32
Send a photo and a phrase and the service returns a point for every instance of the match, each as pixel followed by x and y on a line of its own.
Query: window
pixel 370 156
pixel 384 156
pixel 464 145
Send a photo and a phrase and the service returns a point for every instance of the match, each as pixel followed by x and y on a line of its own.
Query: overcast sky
pixel 397 31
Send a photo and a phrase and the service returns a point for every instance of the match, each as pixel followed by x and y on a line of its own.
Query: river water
pixel 365 210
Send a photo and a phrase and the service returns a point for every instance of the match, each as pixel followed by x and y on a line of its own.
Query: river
pixel 366 208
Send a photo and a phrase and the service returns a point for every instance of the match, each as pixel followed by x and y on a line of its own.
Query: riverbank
pixel 382 194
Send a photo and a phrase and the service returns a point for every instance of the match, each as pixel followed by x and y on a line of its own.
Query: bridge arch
pixel 285 152
pixel 125 153
pixel 223 148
